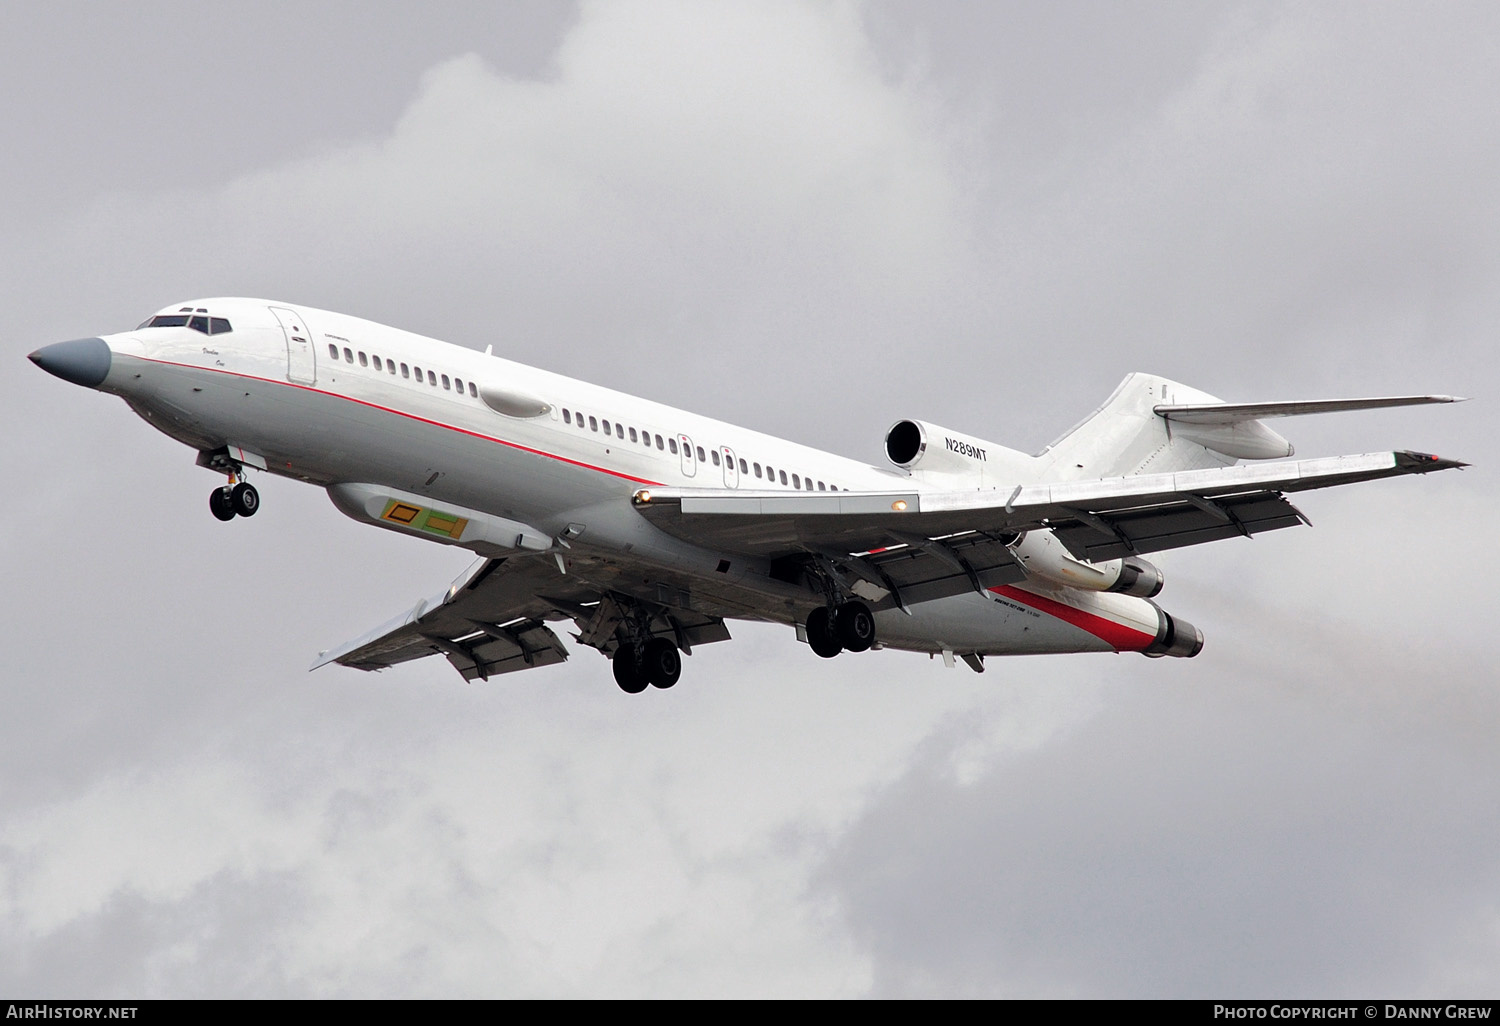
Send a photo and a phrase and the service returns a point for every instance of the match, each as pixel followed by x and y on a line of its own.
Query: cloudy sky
pixel 813 219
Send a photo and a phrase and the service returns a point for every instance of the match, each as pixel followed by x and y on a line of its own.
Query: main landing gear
pixel 657 663
pixel 848 626
pixel 234 500
pixel 644 654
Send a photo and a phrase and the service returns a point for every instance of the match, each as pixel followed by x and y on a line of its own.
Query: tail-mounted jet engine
pixel 916 445
pixel 1174 637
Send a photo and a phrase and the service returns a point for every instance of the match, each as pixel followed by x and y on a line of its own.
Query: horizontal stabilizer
pixel 1231 413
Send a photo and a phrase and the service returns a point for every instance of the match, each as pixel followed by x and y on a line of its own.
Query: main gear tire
pixel 856 626
pixel 822 638
pixel 662 663
pixel 627 672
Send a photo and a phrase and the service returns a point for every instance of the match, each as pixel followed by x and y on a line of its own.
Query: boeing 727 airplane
pixel 649 527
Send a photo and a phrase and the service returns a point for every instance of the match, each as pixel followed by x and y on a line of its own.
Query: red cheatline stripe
pixel 1118 636
pixel 410 416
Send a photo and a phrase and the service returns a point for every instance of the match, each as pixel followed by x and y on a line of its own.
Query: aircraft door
pixel 689 461
pixel 731 472
pixel 299 348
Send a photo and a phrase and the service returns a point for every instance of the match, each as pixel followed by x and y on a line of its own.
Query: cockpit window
pixel 207 325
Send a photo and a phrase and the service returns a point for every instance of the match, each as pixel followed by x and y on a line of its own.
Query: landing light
pixel 643 497
pixel 899 505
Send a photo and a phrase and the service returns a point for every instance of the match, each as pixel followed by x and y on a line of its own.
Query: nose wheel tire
pixel 220 504
pixel 245 499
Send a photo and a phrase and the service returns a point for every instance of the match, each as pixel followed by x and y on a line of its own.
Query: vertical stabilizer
pixel 1126 436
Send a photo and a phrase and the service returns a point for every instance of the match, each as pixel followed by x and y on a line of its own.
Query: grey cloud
pixel 1233 840
pixel 812 220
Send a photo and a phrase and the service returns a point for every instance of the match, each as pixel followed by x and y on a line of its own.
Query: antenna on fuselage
pixel 489 350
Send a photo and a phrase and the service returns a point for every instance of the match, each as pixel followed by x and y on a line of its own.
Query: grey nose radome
pixel 83 361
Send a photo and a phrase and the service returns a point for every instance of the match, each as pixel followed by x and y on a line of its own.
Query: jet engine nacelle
pixel 919 446
pixel 1174 637
pixel 1043 555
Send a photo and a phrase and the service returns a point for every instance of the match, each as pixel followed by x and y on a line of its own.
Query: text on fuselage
pixel 965 449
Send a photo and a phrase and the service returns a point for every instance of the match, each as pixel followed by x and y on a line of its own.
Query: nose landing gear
pixel 234 499
pixel 238 498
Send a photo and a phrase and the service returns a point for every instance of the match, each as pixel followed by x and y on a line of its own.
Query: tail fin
pixel 1125 436
pixel 1154 425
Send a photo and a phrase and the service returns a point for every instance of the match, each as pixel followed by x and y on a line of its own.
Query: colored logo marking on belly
pixel 407 515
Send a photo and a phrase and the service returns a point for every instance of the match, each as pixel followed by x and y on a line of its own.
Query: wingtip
pixel 1426 462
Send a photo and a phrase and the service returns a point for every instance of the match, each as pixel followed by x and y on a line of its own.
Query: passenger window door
pixel 731 472
pixel 689 461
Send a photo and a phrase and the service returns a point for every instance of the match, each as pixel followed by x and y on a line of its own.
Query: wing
pixel 490 621
pixel 493 620
pixel 921 544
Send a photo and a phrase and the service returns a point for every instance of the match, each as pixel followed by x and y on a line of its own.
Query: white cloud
pixel 576 848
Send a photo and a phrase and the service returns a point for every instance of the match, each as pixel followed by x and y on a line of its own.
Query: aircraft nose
pixel 83 361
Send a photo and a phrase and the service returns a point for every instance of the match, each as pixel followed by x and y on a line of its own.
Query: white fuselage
pixel 331 399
